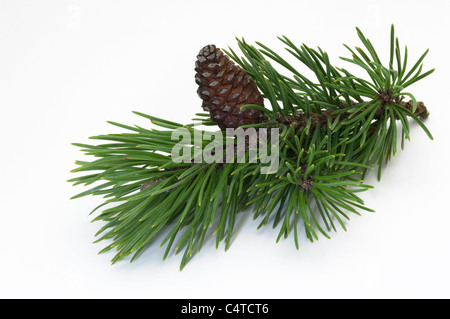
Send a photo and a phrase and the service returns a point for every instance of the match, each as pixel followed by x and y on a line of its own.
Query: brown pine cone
pixel 224 87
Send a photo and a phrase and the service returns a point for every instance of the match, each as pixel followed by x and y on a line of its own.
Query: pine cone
pixel 224 87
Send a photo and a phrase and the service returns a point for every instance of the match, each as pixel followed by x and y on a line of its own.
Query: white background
pixel 66 67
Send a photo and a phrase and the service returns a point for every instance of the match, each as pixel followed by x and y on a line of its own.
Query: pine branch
pixel 332 130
